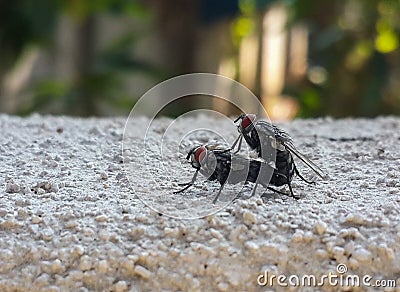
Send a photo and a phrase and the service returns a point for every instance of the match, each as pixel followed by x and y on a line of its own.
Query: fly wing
pixel 283 138
pixel 239 163
pixel 269 129
pixel 307 161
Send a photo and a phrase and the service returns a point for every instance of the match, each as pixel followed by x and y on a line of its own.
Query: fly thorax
pixel 277 145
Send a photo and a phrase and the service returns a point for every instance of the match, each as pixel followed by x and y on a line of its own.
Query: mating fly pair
pixel 274 165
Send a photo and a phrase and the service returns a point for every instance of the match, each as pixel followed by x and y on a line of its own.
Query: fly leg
pixel 282 193
pixel 291 191
pixel 276 191
pixel 300 176
pixel 246 183
pixel 189 184
pixel 288 179
pixel 238 139
pixel 219 192
pixel 253 192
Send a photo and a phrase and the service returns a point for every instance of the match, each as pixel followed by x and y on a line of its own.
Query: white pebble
pixel 142 272
pixel 40 191
pixel 22 214
pixel 104 235
pixel 222 286
pixel 9 224
pixel 355 219
pixel 338 251
pixel 349 247
pixel 351 232
pixel 121 286
pixel 252 246
pixel 345 198
pixel 297 236
pixel 249 218
pixel 75 275
pixel 321 253
pixel 320 227
pixel 12 188
pixel 127 265
pixel 78 250
pixel 101 218
pixel 85 263
pixel 353 263
pixel 6 255
pixel 144 219
pixel 52 288
pixel 57 267
pixel 4 212
pixel 386 251
pixel 36 219
pixel 47 234
pixel 133 257
pixel 136 232
pixel 171 232
pixel 42 280
pixel 54 188
pixel 88 232
pixel 71 224
pixel 102 266
pixel 362 255
pixel 308 236
pixel 215 233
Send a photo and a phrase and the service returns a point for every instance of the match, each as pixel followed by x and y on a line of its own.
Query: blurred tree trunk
pixel 84 59
pixel 177 29
pixel 3 106
pixel 177 24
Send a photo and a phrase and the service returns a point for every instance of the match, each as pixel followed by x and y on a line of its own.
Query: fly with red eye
pixel 219 164
pixel 195 155
pixel 213 162
pixel 245 126
pixel 273 144
pixel 200 154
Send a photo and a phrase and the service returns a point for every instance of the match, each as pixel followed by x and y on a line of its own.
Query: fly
pixel 273 144
pixel 220 164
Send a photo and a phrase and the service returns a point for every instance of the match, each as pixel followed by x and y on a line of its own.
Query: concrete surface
pixel 70 221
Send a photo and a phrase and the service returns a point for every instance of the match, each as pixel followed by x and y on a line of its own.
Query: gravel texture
pixel 71 221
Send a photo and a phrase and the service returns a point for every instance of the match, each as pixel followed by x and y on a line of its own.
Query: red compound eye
pixel 247 120
pixel 200 154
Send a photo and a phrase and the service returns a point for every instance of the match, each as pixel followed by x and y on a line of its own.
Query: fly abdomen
pixel 283 174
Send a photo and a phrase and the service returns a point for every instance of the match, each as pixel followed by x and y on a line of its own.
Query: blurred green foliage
pixel 99 74
pixel 100 84
pixel 356 43
pixel 20 27
pixel 353 57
